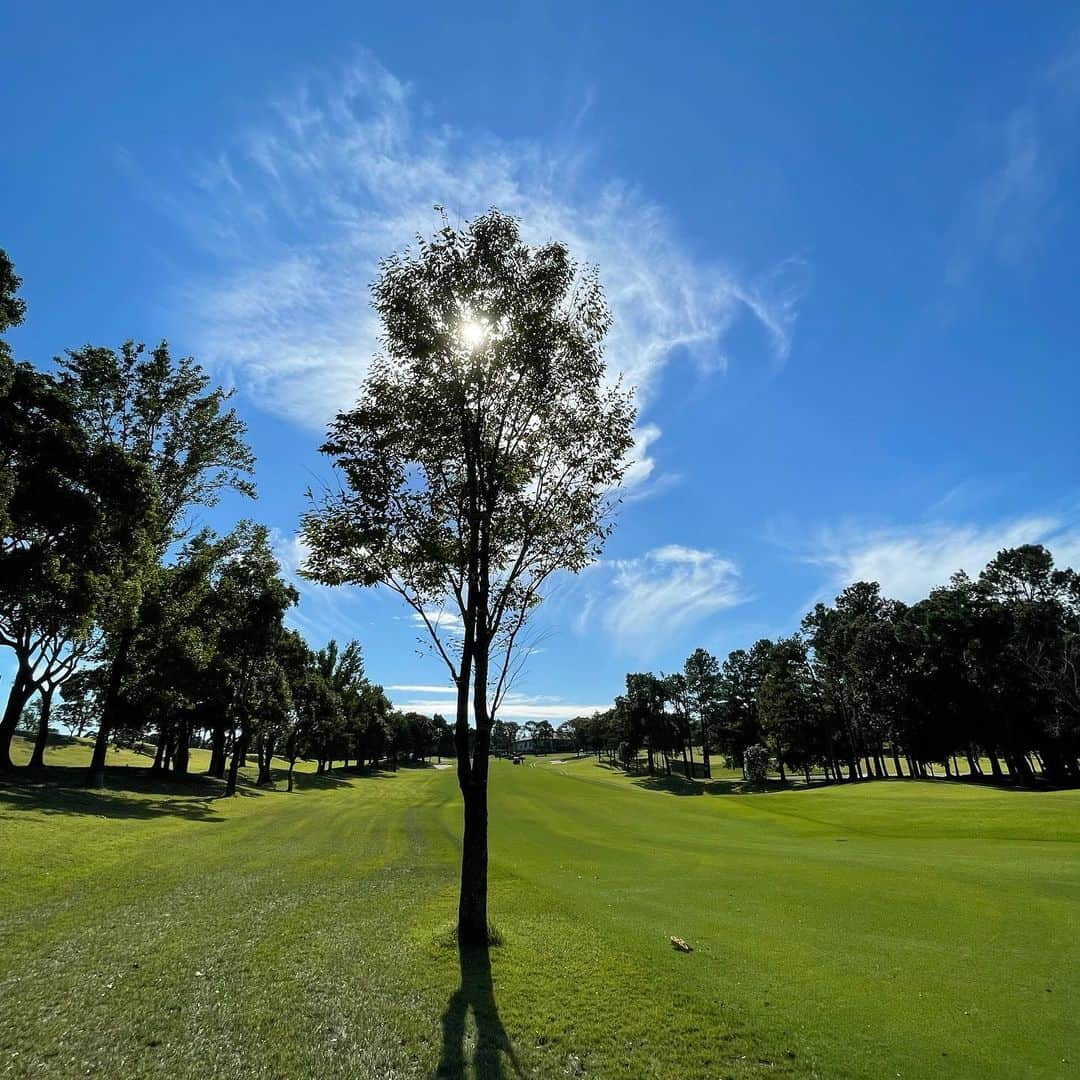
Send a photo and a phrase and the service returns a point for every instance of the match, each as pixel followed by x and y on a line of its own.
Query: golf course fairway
pixel 884 929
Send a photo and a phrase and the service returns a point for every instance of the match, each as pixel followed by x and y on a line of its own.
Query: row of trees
pixel 983 670
pixel 483 456
pixel 124 619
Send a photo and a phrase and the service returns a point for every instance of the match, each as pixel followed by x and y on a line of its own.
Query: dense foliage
pixel 983 672
pixel 122 621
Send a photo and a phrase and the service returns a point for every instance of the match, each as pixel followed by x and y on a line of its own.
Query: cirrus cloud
pixel 345 169
pixel 646 602
pixel 910 561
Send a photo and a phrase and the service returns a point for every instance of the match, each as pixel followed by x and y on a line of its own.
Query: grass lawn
pixel 911 929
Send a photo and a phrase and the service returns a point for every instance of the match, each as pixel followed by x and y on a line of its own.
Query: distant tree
pixel 420 733
pixel 756 764
pixel 703 696
pixel 480 460
pixel 1035 668
pixel 574 731
pixel 648 720
pixel 500 738
pixel 788 707
pixel 172 681
pixel 541 732
pixel 737 723
pixel 854 648
pixel 253 600
pixel 308 694
pixel 444 735
pixel 78 710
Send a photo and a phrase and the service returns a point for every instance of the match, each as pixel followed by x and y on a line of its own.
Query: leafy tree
pixel 170 681
pixel 162 415
pixel 12 313
pixel 12 306
pixel 703 696
pixel 1034 666
pixel 500 738
pixel 479 461
pixel 70 518
pixel 444 735
pixel 737 720
pixel 680 718
pixel 648 722
pixel 854 646
pixel 756 764
pixel 787 707
pixel 253 600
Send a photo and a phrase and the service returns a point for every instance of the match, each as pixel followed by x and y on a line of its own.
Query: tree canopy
pixel 482 457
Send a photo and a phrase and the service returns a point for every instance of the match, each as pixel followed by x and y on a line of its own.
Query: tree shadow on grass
pixel 476 992
pixel 679 785
pixel 61 789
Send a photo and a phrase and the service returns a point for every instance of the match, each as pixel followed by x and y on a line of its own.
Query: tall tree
pixel 703 692
pixel 70 521
pixel 253 599
pixel 480 460
pixel 164 415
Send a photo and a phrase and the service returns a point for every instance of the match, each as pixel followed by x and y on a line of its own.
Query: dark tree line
pixel 121 619
pixel 979 677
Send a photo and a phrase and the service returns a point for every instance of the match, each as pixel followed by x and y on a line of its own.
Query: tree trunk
pixel 18 696
pixel 217 751
pixel 239 754
pixel 266 756
pixel 182 753
pixel 159 755
pixel 472 905
pixel 109 708
pixel 292 765
pixel 37 761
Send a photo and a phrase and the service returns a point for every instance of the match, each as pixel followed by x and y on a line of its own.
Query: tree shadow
pixel 492 1043
pixel 61 789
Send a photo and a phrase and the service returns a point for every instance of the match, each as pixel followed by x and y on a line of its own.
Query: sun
pixel 473 333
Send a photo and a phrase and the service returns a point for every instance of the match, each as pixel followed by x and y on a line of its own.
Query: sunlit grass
pixel 902 928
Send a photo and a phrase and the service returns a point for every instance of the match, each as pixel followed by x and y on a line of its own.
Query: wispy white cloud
pixel 520 711
pixel 1015 201
pixel 344 170
pixel 646 602
pixel 445 623
pixel 909 562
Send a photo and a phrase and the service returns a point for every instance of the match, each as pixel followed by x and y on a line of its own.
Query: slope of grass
pixel 892 929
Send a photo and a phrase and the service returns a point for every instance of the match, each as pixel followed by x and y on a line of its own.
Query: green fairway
pixel 887 929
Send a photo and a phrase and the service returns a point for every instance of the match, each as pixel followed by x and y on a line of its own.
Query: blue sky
pixel 839 240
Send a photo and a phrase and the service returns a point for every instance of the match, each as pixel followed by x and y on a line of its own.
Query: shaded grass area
pixel 911 929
